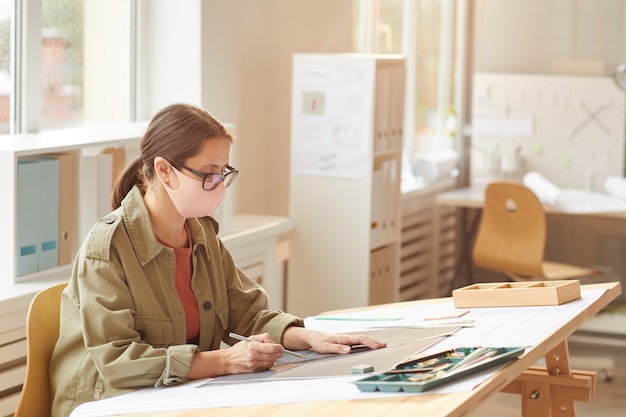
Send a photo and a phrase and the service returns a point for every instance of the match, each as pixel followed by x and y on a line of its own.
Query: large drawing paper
pixel 401 344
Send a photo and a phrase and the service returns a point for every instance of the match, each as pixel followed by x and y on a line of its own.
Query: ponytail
pixel 131 175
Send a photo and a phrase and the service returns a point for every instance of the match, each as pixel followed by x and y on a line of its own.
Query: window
pixel 380 24
pixel 61 63
pixel 72 63
pixel 423 31
pixel 433 48
pixel 6 11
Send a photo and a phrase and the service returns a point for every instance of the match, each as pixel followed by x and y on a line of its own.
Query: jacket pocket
pixel 222 316
pixel 157 331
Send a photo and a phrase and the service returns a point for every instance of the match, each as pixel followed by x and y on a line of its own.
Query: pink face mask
pixel 190 199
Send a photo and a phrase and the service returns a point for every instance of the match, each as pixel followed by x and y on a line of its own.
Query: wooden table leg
pixel 557 363
pixel 535 399
pixel 551 391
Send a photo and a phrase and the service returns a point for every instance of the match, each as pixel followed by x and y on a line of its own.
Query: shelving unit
pixel 72 141
pixel 347 118
pixel 17 292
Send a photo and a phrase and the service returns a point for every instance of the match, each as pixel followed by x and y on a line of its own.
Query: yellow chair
pixel 42 332
pixel 512 236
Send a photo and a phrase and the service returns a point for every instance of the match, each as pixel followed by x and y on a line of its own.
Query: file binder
pixel 27 214
pixel 48 213
pixel 68 238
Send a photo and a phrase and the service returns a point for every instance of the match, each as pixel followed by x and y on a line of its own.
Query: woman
pixel 153 290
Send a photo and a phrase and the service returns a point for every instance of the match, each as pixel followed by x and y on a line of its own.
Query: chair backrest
pixel 512 233
pixel 42 332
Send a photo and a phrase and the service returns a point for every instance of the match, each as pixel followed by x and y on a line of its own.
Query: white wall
pixel 106 61
pixel 579 37
pixel 246 79
pixel 170 43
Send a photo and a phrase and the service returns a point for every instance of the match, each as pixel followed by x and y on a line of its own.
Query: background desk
pixel 588 239
pixel 473 197
pixel 456 404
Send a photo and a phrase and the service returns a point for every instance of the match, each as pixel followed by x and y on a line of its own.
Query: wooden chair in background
pixel 511 237
pixel 42 332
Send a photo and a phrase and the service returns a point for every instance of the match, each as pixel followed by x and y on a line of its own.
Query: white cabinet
pixel 255 242
pixel 428 243
pixel 347 119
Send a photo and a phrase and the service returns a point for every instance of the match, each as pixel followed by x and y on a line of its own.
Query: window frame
pixel 25 67
pixel 369 13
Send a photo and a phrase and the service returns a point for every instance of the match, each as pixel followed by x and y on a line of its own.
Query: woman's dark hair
pixel 175 133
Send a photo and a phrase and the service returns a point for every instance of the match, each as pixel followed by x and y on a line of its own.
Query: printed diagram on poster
pixel 331 118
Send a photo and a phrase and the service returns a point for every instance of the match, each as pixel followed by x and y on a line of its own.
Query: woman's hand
pixel 242 357
pixel 300 338
pixel 259 355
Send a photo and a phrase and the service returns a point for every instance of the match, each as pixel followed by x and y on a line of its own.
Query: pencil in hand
pixel 247 339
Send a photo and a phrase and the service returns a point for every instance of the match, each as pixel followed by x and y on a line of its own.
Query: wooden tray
pixel 504 294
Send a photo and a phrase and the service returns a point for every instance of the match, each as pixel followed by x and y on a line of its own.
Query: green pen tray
pixel 397 379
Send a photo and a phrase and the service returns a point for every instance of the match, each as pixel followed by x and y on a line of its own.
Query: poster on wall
pixel 331 123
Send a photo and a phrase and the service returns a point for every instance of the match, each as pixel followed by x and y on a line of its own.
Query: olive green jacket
pixel 122 323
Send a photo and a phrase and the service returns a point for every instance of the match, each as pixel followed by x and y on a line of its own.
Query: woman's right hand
pixel 242 357
pixel 259 355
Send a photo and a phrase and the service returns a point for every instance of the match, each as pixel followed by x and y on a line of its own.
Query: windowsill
pixel 72 138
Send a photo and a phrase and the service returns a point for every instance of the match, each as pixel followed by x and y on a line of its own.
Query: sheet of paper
pixel 389 317
pixel 585 201
pixel 401 343
pixel 199 395
pixel 516 326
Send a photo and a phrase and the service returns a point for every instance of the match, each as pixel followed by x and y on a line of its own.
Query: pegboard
pixel 571 129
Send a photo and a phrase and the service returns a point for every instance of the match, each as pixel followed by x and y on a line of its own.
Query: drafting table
pixel 542 394
pixel 469 201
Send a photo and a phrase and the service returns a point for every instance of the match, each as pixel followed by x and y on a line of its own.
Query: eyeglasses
pixel 211 180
